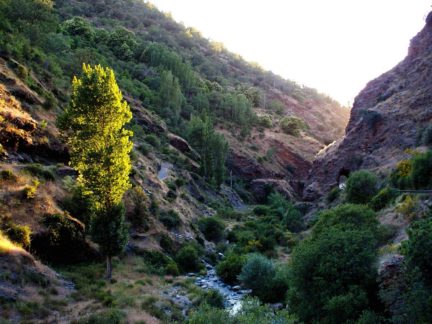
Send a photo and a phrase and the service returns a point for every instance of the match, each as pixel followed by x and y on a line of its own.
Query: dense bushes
pixel 293 125
pixel 212 228
pixel 230 267
pixel 383 198
pixel 333 275
pixel 63 241
pixel 259 274
pixel 170 219
pixel 361 187
pixel 188 258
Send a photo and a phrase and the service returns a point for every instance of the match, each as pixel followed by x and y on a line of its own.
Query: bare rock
pixel 262 187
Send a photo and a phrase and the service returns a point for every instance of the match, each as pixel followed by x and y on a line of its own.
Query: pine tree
pixel 99 148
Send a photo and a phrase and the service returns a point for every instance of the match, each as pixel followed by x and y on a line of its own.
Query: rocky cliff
pixel 387 117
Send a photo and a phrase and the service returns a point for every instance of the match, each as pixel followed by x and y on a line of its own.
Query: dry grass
pixel 7 246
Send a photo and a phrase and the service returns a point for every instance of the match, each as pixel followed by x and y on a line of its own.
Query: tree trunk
pixel 108 275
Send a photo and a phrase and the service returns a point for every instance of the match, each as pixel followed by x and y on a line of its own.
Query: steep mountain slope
pixel 275 96
pixel 388 117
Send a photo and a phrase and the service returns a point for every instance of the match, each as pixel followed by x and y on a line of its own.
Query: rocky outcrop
pixel 386 118
pixel 261 188
pixel 183 146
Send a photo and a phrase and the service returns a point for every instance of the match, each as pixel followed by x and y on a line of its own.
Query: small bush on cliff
pixel 170 219
pixel 361 187
pixel 383 198
pixel 212 227
pixel 293 125
pixel 333 195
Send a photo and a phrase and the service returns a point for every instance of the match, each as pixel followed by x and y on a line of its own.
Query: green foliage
pixel 383 198
pixel 63 241
pixel 257 274
pixel 139 215
pixel 112 316
pixel 347 217
pixel 188 259
pixel 170 98
pixel 332 275
pixel 213 298
pixel 361 187
pixel 30 192
pixel 252 311
pixel 79 204
pixel 40 171
pixel 211 146
pixel 293 125
pixel 333 195
pixel 152 140
pixel 418 249
pixel 98 142
pixel 18 234
pixel 230 267
pixel 109 230
pixel 421 173
pixel 170 219
pixel 212 227
pixel 7 175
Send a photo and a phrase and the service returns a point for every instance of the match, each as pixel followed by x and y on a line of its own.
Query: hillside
pixel 214 227
pixel 389 116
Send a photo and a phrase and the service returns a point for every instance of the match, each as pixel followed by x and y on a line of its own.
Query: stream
pixel 231 294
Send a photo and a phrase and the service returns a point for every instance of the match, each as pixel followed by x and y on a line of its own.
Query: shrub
pixel 333 195
pixel 421 173
pixel 139 215
pixel 152 140
pixel 111 316
pixel 407 207
pixel 78 204
pixel 347 216
pixel 213 298
pixel 383 198
pixel 331 276
pixel 188 259
pixel 257 274
pixel 265 121
pixel 293 125
pixel 166 243
pixel 212 228
pixel 418 249
pixel 401 176
pixel 7 175
pixel 29 192
pixel 39 171
pixel 361 187
pixel 144 149
pixel 230 267
pixel 172 269
pixel 261 210
pixel 18 234
pixel 63 240
pixel 170 219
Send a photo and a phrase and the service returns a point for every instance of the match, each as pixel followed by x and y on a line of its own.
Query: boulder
pixel 261 188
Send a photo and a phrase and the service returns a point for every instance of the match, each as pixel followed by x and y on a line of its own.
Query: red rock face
pixel 386 118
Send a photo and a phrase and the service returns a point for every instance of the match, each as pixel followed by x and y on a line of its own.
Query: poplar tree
pixel 99 147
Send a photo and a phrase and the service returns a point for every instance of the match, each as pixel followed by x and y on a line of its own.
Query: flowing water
pixel 232 294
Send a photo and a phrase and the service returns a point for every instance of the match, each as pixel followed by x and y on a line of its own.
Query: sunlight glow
pixel 336 46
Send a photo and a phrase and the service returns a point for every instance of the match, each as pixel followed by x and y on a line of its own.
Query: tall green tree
pixel 99 147
pixel 170 97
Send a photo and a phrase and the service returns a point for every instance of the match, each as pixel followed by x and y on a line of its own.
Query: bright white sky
pixel 336 46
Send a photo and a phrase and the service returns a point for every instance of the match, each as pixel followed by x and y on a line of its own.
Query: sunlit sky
pixel 336 46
